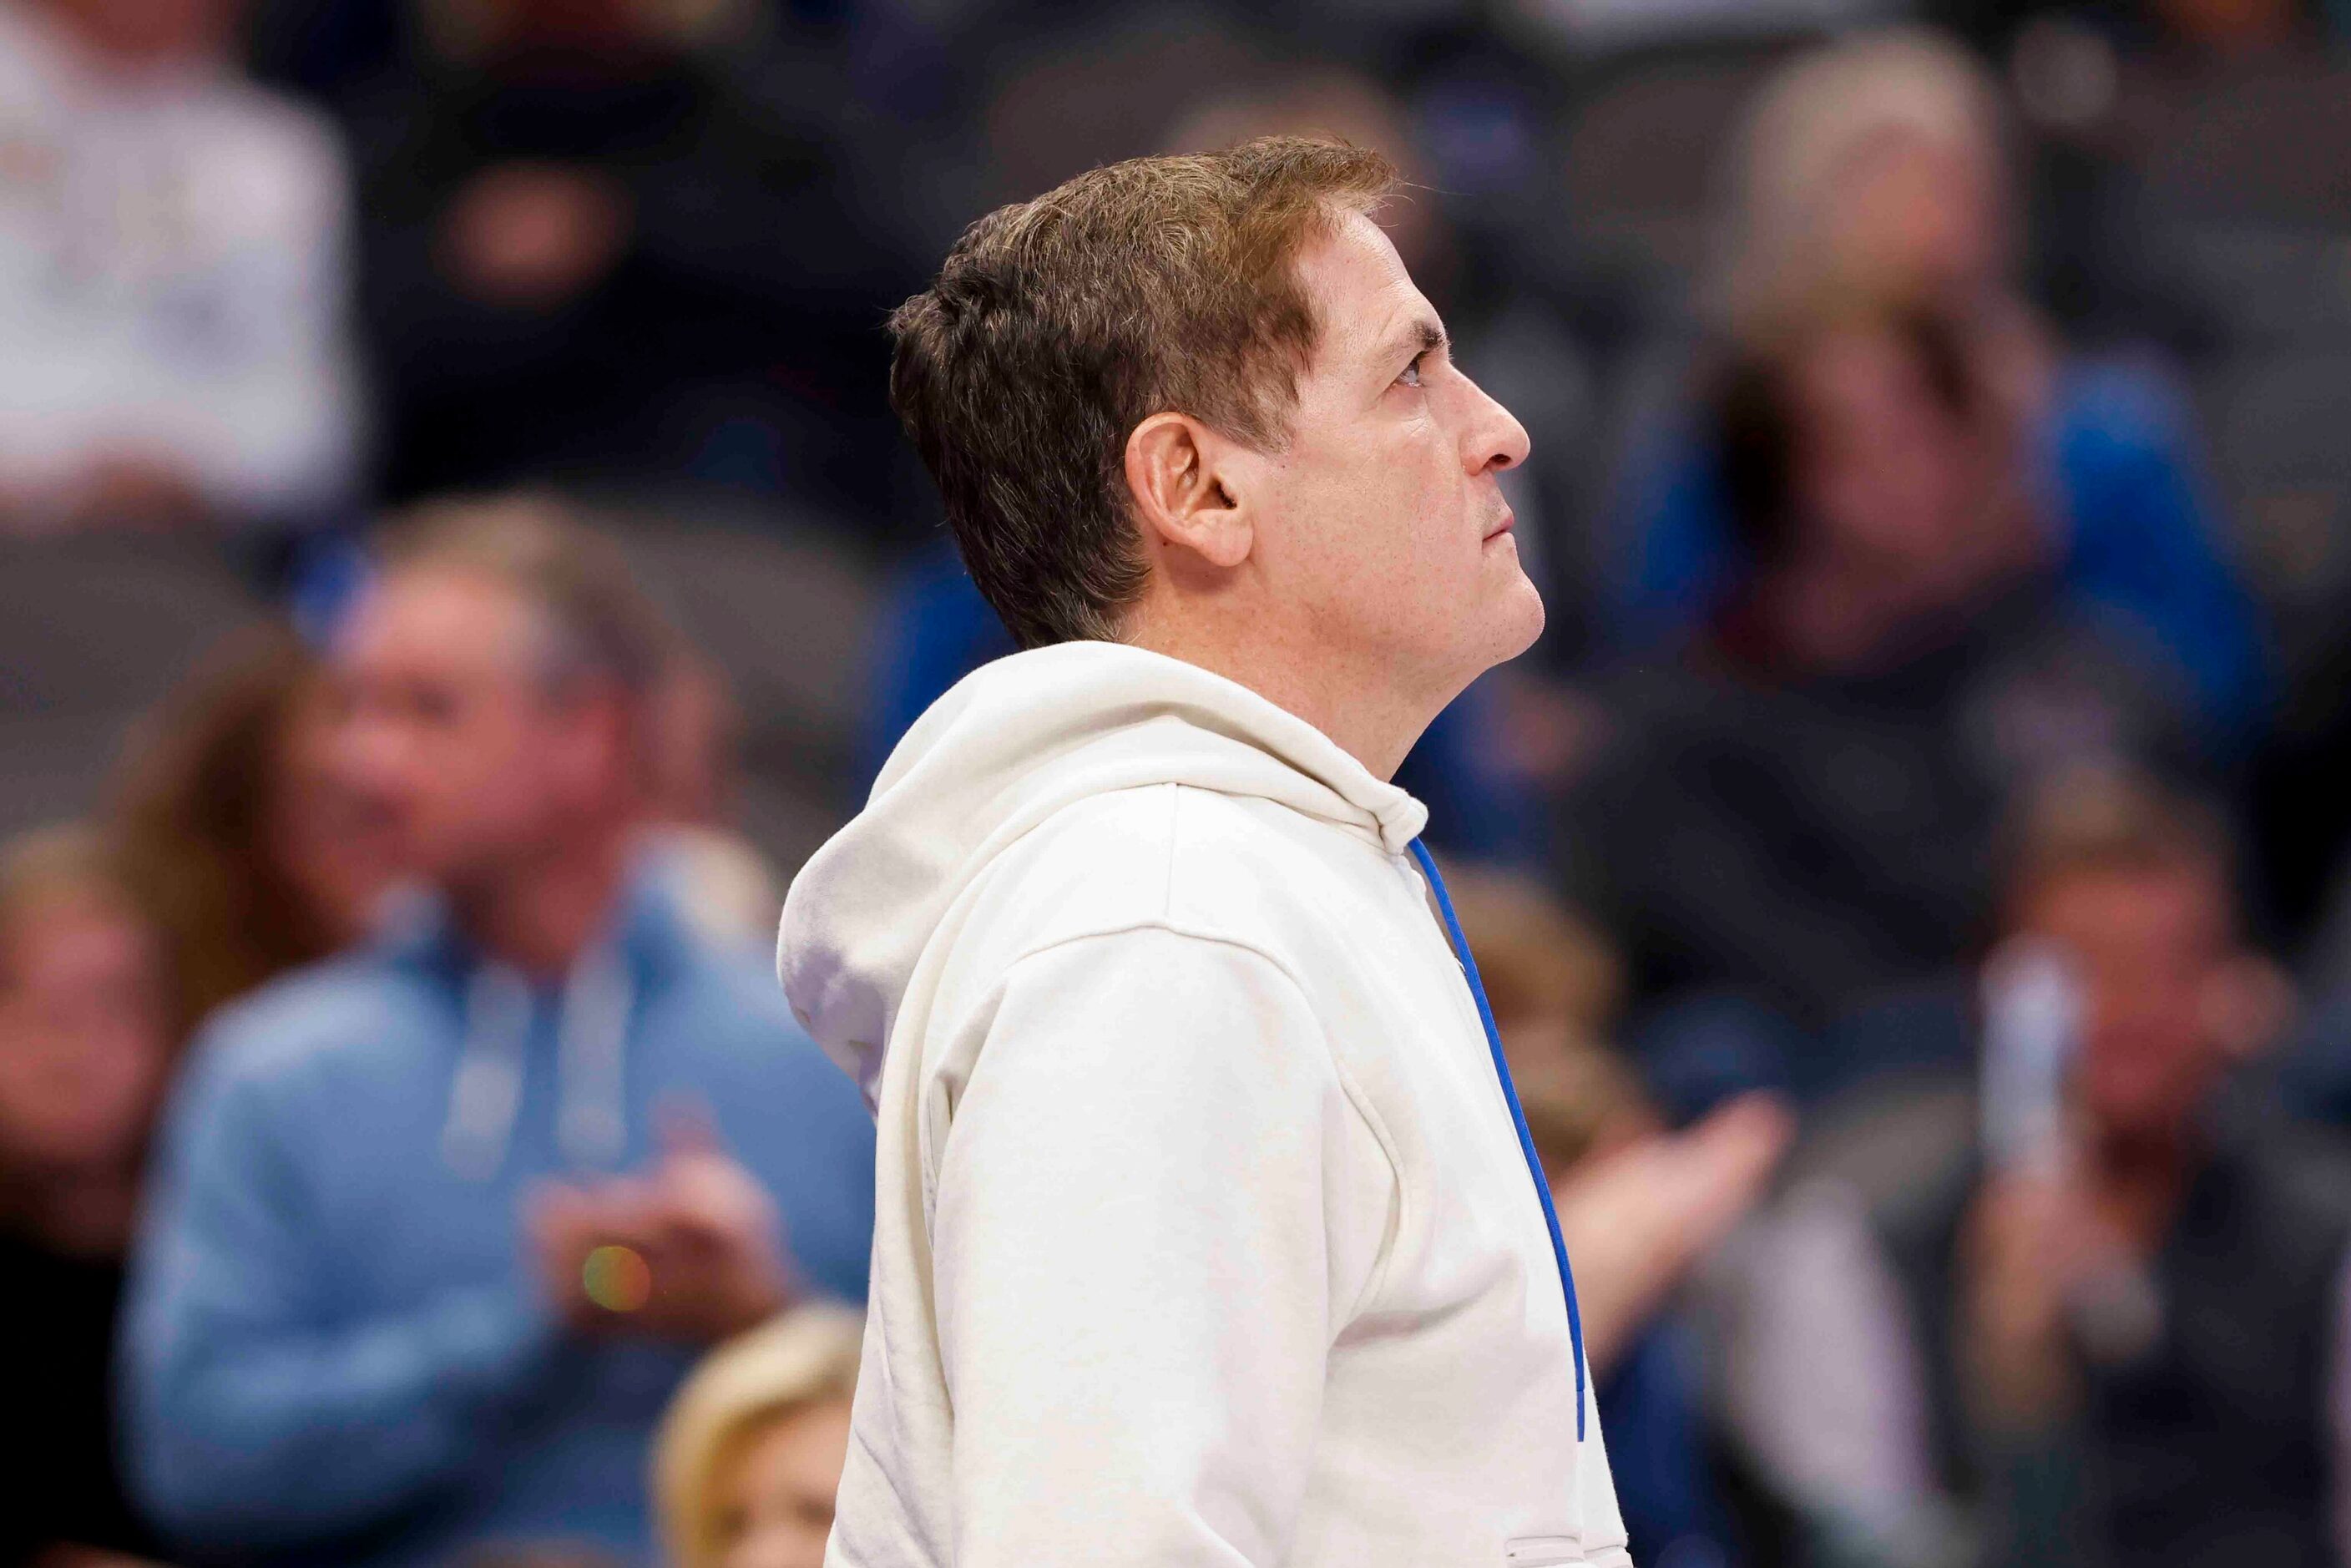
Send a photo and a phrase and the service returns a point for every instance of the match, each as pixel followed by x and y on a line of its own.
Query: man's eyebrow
pixel 1419 337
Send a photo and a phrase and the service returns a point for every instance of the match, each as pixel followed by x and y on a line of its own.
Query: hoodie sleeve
pixel 254 1419
pixel 1155 1208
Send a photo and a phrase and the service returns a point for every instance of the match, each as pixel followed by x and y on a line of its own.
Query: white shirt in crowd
pixel 1204 1239
pixel 173 281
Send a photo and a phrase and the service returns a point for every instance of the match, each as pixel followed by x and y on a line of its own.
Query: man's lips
pixel 1509 520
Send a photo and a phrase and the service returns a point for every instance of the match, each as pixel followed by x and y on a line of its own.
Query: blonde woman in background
pixel 749 1456
pixel 1881 168
pixel 1878 168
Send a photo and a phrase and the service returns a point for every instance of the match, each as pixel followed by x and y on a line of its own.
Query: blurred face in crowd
pixel 2155 952
pixel 2232 25
pixel 1917 218
pixel 1886 472
pixel 482 764
pixel 775 1499
pixel 152 32
pixel 82 1035
pixel 1380 524
pixel 332 844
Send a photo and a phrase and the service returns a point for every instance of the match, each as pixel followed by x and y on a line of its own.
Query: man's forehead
pixel 1360 289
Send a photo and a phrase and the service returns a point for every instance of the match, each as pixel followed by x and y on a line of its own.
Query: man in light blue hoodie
pixel 437 1226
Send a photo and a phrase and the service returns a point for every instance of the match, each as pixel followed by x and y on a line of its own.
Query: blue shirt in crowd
pixel 335 1350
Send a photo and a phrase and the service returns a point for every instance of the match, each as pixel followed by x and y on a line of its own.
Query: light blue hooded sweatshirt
pixel 334 1350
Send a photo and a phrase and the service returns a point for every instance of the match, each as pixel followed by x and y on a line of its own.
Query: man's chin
pixel 1518 613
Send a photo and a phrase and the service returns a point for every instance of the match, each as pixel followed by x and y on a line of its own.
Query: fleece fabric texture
pixel 1202 1233
pixel 334 1350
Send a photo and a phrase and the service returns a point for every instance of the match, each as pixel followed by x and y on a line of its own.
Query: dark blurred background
pixel 1920 840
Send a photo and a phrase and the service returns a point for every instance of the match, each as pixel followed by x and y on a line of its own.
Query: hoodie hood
pixel 1011 745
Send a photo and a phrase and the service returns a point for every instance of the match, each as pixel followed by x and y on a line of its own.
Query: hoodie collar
pixel 1010 746
pixel 1095 687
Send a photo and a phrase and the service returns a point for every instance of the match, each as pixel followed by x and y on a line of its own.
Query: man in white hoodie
pixel 1206 1231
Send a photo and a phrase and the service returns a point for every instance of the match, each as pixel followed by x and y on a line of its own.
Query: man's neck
pixel 540 916
pixel 1368 714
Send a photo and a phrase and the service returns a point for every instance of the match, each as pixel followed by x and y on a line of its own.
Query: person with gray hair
pixel 437 1225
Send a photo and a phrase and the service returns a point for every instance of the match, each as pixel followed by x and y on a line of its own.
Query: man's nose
pixel 1496 440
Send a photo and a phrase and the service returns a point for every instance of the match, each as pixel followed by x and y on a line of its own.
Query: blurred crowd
pixel 456 558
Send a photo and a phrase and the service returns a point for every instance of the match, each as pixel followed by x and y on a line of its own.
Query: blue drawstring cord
pixel 1518 1115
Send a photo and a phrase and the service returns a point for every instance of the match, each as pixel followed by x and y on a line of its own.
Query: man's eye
pixel 1411 376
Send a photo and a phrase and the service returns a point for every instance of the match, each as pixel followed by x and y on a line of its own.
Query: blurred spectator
pixel 2234 27
pixel 394 1295
pixel 722 881
pixel 246 843
pixel 172 277
pixel 2092 1306
pixel 1880 169
pixel 1640 1207
pixel 82 1051
pixel 1797 808
pixel 618 242
pixel 750 1454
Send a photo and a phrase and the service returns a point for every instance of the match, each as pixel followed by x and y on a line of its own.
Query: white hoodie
pixel 1203 1237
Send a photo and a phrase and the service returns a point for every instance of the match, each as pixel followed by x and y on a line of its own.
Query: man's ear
pixel 1181 474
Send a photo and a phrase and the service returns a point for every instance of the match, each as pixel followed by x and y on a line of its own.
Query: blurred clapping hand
pixel 2039 1262
pixel 1638 1216
pixel 1640 1204
pixel 687 1249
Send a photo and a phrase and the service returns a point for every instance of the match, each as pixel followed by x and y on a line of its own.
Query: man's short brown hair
pixel 1059 324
